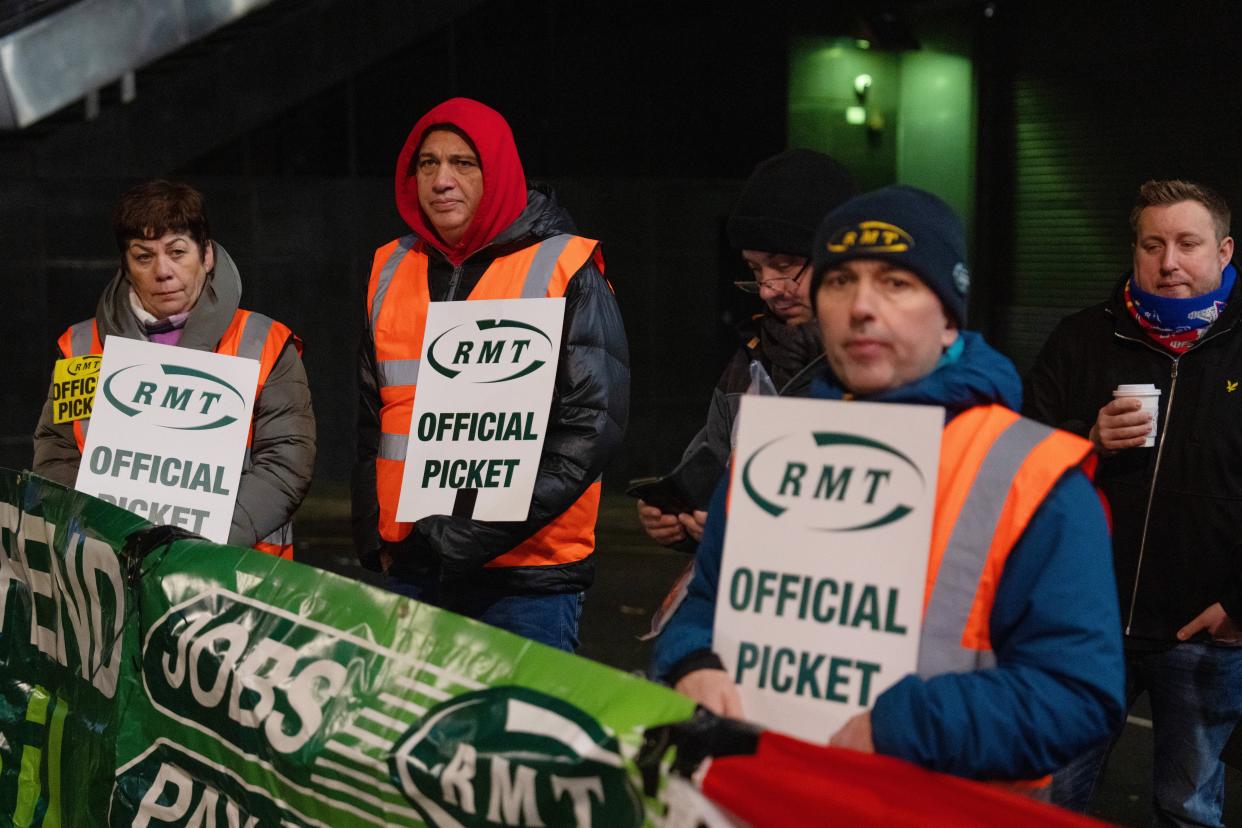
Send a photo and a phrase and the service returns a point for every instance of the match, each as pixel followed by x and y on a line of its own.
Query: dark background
pixel 645 116
pixel 645 132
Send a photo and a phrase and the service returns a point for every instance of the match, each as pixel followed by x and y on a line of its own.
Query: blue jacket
pixel 1058 685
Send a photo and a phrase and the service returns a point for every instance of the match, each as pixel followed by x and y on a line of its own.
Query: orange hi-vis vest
pixel 397 301
pixel 250 335
pixel 996 469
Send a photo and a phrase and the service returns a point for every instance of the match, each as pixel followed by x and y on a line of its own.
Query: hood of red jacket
pixel 504 182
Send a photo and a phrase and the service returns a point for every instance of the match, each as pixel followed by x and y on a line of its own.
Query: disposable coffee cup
pixel 1149 396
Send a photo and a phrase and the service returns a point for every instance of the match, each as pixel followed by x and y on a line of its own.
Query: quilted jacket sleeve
pixel 56 454
pixel 282 454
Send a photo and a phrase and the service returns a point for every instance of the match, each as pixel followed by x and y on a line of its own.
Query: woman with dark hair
pixel 175 286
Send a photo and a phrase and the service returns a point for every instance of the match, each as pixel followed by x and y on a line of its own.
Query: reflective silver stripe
pixel 397 372
pixel 254 335
pixel 940 645
pixel 392 446
pixel 82 337
pixel 283 536
pixel 385 278
pixel 539 276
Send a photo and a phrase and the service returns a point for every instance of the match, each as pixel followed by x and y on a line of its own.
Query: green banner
pixel 206 685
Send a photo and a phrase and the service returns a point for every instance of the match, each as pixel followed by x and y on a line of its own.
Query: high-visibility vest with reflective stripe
pixel 250 335
pixel 397 302
pixel 996 469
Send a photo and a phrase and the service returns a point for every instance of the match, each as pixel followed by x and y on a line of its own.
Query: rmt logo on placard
pixel 489 351
pixel 513 756
pixel 173 396
pixel 832 482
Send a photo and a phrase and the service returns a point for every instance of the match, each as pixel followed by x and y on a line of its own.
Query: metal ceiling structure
pixel 66 55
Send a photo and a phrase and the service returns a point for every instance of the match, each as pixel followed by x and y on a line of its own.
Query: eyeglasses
pixel 780 284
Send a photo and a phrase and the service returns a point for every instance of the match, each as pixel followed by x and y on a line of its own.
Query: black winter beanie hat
pixel 906 226
pixel 784 200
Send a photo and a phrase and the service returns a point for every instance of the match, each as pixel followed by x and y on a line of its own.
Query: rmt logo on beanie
pixel 871 237
pixel 906 226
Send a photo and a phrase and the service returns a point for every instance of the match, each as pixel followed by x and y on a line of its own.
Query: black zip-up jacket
pixel 1180 555
pixel 790 355
pixel 590 408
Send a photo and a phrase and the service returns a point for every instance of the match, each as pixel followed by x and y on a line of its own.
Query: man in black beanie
pixel 773 225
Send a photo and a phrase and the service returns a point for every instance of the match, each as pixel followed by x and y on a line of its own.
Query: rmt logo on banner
pixel 514 756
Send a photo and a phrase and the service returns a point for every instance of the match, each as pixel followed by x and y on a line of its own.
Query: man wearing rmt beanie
pixel 1019 664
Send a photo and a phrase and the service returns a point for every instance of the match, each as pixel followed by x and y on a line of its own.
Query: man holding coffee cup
pixel 1148 397
pixel 1152 378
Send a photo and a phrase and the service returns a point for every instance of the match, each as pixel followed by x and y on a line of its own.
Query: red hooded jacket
pixel 504 182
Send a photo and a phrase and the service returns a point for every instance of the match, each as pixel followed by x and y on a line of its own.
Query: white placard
pixel 820 599
pixel 485 386
pixel 167 435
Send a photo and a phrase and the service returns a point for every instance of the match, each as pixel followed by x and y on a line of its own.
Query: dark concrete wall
pixel 1079 117
pixel 644 116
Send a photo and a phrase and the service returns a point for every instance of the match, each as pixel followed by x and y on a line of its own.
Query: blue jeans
pixel 548 619
pixel 1196 699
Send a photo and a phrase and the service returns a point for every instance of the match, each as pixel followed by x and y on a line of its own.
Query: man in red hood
pixel 461 189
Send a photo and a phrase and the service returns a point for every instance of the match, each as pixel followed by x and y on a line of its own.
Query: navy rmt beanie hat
pixel 783 201
pixel 906 226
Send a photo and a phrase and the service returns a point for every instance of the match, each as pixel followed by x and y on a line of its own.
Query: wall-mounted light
pixel 861 84
pixel 856 115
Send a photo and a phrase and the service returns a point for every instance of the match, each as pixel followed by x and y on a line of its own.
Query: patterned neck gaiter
pixel 1177 324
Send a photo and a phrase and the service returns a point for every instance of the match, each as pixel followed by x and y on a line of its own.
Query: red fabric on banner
pixel 791 782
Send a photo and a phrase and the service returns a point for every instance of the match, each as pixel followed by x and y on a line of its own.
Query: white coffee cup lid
pixel 1137 390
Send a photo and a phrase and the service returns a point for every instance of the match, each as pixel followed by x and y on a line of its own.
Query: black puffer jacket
pixel 590 408
pixel 1190 558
